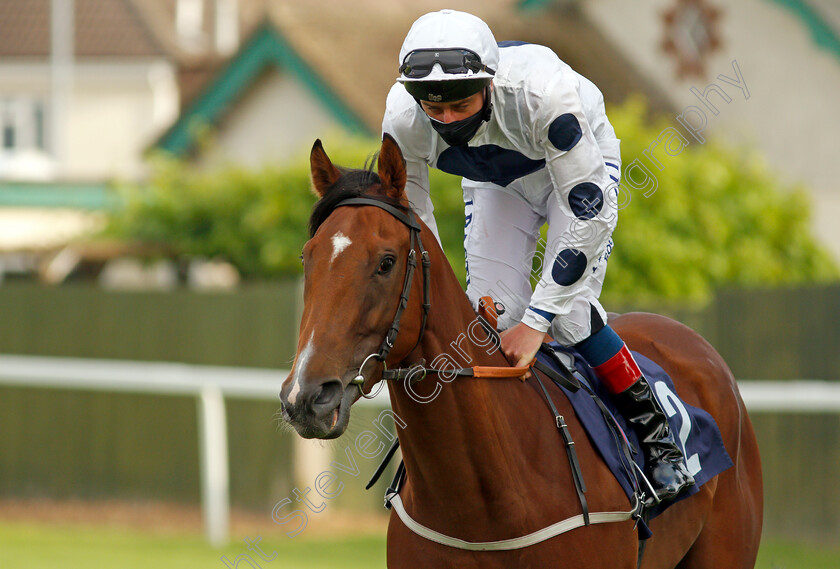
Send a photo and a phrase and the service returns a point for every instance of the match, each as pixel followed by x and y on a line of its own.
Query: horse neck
pixel 453 333
pixel 469 422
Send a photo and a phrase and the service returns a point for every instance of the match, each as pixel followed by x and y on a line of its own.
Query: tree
pixel 717 216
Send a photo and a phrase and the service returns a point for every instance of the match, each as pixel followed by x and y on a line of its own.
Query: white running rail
pixel 210 385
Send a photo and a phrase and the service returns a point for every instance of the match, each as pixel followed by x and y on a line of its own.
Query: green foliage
pixel 257 220
pixel 719 217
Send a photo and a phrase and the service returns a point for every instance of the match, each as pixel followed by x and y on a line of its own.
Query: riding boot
pixel 666 468
pixel 665 463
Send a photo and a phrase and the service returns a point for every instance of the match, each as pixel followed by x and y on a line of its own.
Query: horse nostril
pixel 328 395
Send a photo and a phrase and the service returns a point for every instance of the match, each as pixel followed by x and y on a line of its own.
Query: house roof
pixel 354 45
pixel 347 53
pixel 102 28
pixel 264 49
pixel 821 17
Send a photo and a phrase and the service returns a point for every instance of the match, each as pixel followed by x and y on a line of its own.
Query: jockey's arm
pixel 410 128
pixel 417 192
pixel 581 216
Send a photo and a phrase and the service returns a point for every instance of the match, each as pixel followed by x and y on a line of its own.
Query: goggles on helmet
pixel 419 63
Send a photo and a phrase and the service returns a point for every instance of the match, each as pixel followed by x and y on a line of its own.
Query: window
pixel 24 138
pixel 8 126
pixel 40 135
pixel 22 124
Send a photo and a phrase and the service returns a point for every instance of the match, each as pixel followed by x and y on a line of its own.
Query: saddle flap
pixel 696 430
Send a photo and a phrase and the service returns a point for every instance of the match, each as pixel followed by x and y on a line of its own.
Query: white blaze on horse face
pixel 300 367
pixel 340 242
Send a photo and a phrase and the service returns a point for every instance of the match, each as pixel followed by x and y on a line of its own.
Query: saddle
pixel 697 432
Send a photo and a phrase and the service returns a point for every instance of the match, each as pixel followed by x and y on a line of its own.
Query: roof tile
pixel 102 28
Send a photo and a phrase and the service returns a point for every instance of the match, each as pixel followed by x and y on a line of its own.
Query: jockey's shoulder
pixel 533 68
pixel 407 123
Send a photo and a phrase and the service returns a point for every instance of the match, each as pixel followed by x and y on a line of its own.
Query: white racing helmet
pixel 448 56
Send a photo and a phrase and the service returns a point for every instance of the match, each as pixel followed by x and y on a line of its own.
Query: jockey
pixel 532 143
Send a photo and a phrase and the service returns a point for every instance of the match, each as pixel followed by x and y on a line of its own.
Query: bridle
pixel 409 219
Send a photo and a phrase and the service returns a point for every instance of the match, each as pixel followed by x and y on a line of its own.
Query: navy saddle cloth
pixel 694 429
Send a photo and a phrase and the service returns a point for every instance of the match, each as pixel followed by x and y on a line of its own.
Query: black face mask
pixel 459 133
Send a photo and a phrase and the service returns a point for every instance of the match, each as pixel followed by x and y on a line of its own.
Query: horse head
pixel 355 267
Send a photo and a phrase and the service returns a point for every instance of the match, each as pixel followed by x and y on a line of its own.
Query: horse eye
pixel 385 265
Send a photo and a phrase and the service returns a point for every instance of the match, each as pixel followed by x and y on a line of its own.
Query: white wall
pixel 792 113
pixel 277 119
pixel 115 111
pixel 39 229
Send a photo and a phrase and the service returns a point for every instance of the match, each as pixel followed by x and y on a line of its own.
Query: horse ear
pixel 324 174
pixel 391 167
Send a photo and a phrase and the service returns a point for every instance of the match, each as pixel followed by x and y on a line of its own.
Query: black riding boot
pixel 665 464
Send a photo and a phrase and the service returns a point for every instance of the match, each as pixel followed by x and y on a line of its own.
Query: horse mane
pixel 352 184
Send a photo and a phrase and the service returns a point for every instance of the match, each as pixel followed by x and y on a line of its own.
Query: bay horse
pixel 483 458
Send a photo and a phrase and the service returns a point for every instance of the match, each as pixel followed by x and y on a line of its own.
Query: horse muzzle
pixel 319 411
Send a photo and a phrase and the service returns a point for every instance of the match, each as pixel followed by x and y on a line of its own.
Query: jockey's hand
pixel 520 344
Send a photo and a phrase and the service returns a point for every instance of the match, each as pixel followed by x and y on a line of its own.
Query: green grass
pixel 41 546
pixel 775 554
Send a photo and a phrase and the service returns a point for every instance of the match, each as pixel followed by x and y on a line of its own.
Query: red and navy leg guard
pixel 619 372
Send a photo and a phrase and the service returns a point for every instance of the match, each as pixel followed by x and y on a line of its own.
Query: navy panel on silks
pixel 487 163
pixel 568 267
pixel 564 132
pixel 586 200
pixel 699 437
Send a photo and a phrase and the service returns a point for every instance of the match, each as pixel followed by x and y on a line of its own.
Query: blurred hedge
pixel 720 217
pixel 256 219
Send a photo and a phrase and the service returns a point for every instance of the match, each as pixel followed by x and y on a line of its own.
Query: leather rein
pixel 416 372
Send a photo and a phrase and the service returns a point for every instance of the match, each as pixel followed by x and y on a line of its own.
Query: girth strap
pixel 393 500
